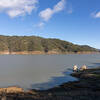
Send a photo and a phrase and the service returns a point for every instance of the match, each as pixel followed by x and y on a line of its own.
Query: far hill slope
pixel 40 45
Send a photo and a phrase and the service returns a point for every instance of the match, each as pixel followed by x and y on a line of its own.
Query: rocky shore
pixel 86 88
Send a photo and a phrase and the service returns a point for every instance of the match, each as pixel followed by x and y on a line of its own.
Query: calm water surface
pixel 41 71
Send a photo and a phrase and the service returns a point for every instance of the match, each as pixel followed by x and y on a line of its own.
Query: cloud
pixel 96 15
pixel 69 8
pixel 16 8
pixel 41 25
pixel 48 13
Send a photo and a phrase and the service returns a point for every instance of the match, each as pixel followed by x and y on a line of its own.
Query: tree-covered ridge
pixel 33 43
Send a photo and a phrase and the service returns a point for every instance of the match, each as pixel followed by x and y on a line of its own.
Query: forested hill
pixel 33 43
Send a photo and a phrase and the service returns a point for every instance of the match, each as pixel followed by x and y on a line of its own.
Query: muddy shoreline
pixel 86 88
pixel 43 53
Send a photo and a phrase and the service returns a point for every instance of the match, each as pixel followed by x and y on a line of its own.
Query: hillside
pixel 37 44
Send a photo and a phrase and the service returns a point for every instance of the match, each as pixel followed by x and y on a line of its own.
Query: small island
pixel 86 88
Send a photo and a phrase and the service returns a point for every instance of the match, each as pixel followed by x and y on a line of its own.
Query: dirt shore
pixel 86 88
pixel 42 53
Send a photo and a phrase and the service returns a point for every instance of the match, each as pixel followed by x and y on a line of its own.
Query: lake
pixel 41 71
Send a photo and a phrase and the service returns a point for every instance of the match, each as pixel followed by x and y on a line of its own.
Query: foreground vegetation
pixel 86 88
pixel 33 43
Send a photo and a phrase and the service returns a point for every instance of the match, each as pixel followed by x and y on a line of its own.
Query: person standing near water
pixel 84 67
pixel 75 68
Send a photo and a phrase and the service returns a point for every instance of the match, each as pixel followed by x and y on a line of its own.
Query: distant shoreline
pixel 44 53
pixel 39 45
